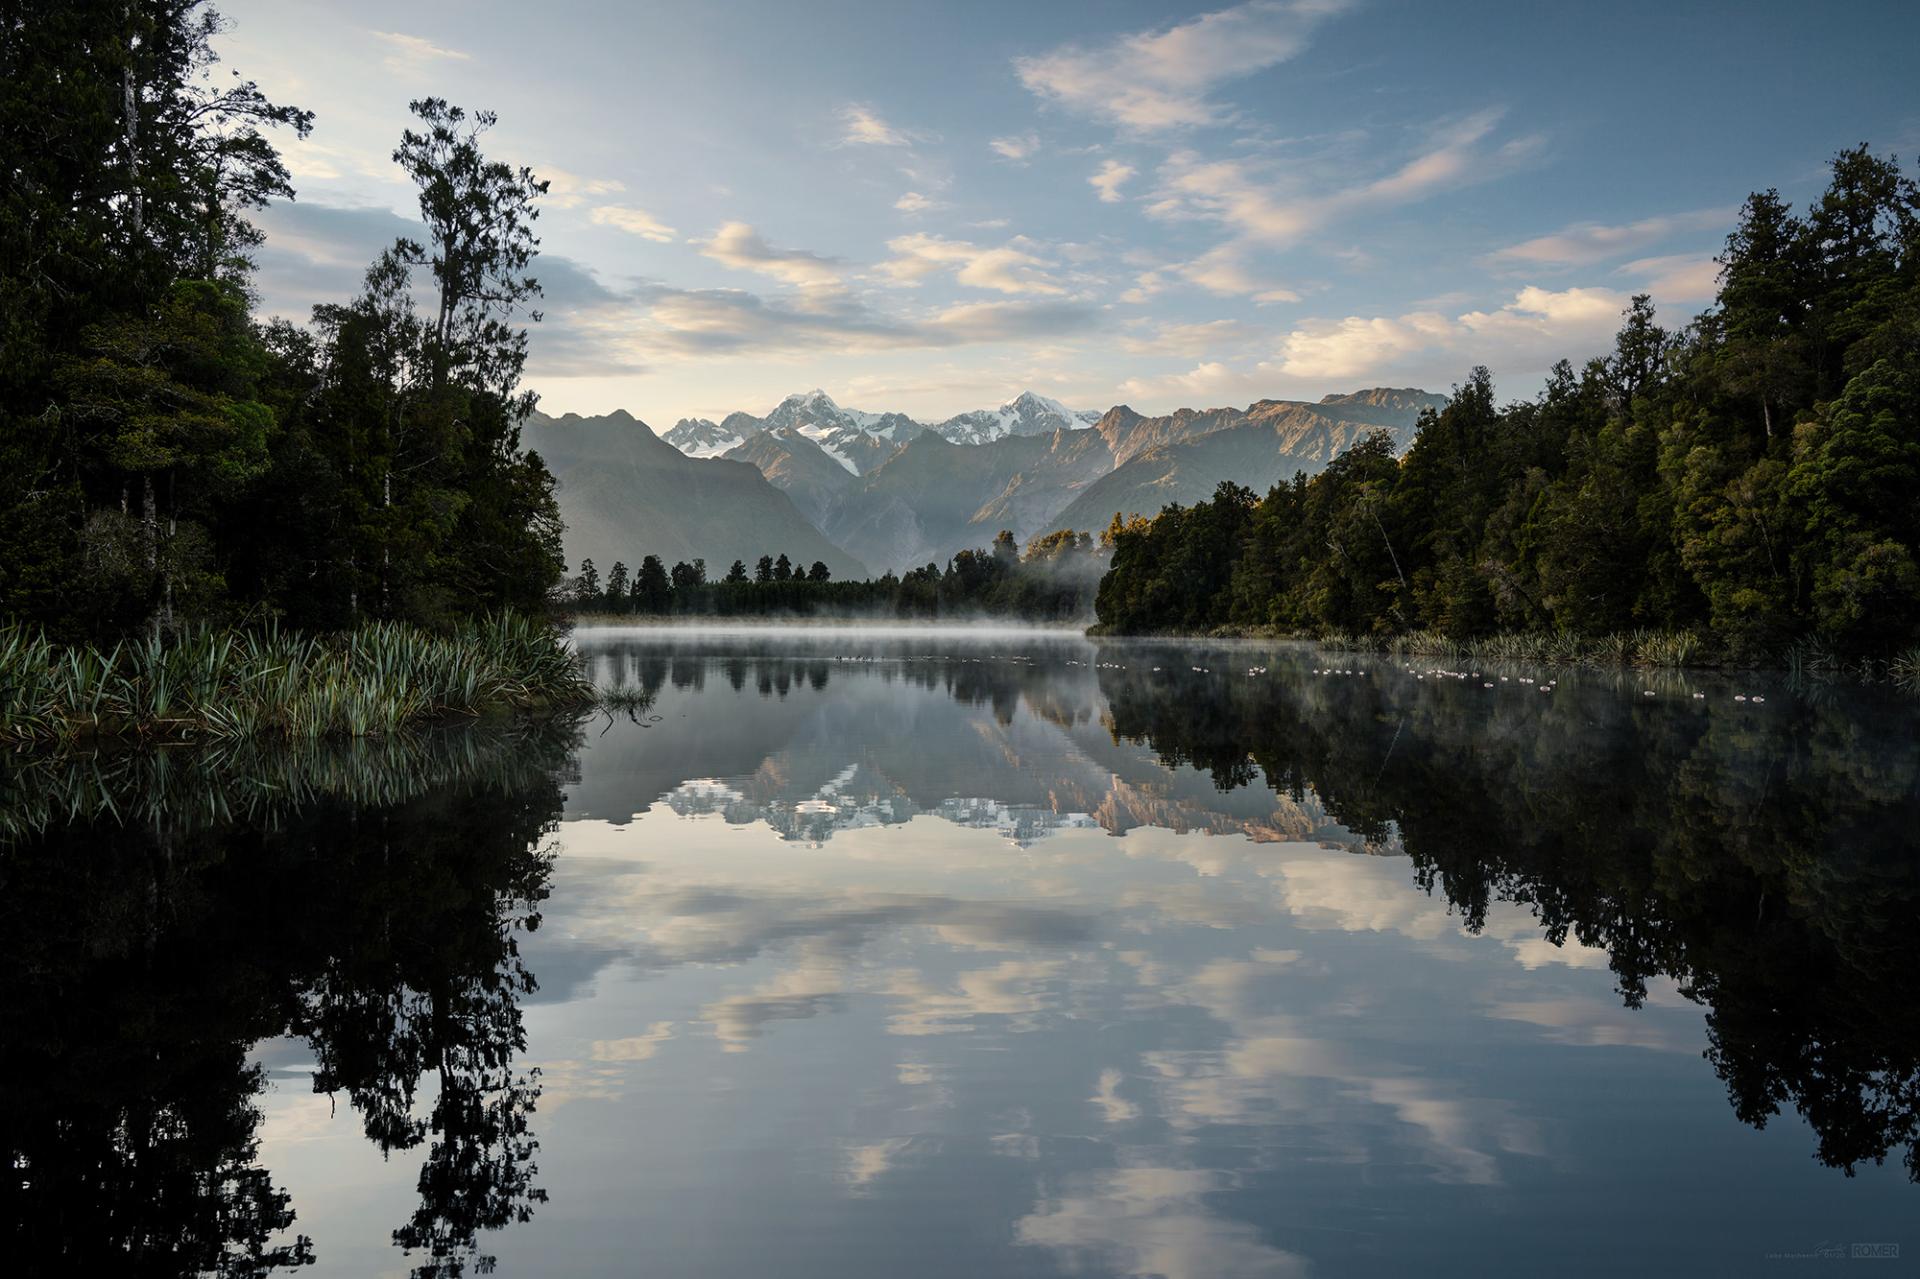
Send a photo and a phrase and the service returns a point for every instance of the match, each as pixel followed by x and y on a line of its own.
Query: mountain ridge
pixel 895 492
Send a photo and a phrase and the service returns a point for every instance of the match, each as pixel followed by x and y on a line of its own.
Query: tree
pixel 1639 354
pixel 819 572
pixel 617 586
pixel 763 571
pixel 123 386
pixel 783 569
pixel 1856 478
pixel 738 573
pixel 652 589
pixel 586 587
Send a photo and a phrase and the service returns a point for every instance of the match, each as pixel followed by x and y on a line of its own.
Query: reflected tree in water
pixel 144 961
pixel 1767 866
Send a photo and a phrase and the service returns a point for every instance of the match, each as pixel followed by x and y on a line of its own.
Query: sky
pixel 929 208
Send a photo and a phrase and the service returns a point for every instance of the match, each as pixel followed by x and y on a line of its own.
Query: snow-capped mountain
pixel 856 440
pixel 1028 414
pixel 896 493
pixel 859 440
pixel 816 410
pixel 697 437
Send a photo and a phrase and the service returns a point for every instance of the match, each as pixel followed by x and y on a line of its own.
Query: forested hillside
pixel 1754 476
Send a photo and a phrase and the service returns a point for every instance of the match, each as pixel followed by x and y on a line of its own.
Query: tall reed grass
pixel 1622 648
pixel 225 685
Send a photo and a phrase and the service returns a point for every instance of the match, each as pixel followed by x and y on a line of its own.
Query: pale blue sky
pixel 929 208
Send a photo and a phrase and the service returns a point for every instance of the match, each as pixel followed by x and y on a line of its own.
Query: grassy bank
pixel 213 685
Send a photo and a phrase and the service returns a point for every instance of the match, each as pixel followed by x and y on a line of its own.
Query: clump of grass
pixel 1564 648
pixel 1904 670
pixel 1666 648
pixel 1347 642
pixel 219 685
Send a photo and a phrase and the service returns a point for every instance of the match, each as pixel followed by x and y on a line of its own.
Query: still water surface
pixel 995 954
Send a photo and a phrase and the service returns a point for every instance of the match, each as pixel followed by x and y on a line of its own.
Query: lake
pixel 864 954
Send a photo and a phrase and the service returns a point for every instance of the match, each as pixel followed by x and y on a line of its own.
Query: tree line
pixel 1052 580
pixel 165 454
pixel 1753 477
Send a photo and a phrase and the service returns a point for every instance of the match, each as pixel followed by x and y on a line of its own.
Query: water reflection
pixel 1009 955
pixel 1752 860
pixel 368 900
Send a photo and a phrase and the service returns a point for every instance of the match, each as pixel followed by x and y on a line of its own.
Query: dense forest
pixel 1753 477
pixel 1053 580
pixel 165 456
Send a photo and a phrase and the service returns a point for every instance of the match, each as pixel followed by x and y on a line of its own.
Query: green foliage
pixel 1750 481
pixel 270 682
pixel 1053 581
pixel 165 461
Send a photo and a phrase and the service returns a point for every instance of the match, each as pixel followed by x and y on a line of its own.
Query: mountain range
pixel 864 490
pixel 626 493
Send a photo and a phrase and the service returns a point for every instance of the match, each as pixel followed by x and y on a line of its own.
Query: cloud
pixel 1018 147
pixel 1537 326
pixel 1247 197
pixel 739 246
pixel 1586 243
pixel 567 190
pixel 1223 272
pixel 1156 80
pixel 1007 269
pixel 1185 339
pixel 633 221
pixel 1205 383
pixel 319 253
pixel 1109 179
pixel 861 125
pixel 1156 1221
pixel 1268 210
pixel 633 1047
pixel 1106 1098
pixel 1677 277
pixel 914 202
pixel 413 53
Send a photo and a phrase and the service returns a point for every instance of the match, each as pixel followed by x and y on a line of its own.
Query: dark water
pixel 995 956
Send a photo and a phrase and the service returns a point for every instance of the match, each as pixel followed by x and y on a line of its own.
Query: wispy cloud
pixel 1009 268
pixel 633 221
pixel 914 202
pixel 1185 339
pixel 1269 209
pixel 1108 181
pixel 1150 81
pixel 861 125
pixel 567 190
pixel 738 245
pixel 1676 277
pixel 411 53
pixel 1017 147
pixel 1585 243
pixel 1273 208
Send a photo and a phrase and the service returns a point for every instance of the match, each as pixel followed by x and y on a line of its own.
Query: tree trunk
pixel 130 121
pixel 386 536
pixel 150 536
